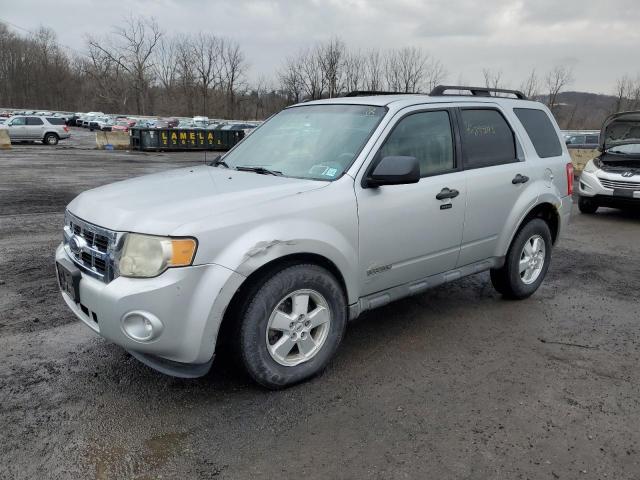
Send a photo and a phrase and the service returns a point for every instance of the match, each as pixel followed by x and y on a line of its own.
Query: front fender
pixel 266 243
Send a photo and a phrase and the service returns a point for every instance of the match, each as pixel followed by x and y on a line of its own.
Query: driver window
pixel 426 136
pixel 18 121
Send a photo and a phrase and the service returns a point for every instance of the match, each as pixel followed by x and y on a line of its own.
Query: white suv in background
pixel 328 209
pixel 613 178
pixel 48 130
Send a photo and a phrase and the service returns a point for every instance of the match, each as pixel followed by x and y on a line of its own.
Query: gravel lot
pixel 455 383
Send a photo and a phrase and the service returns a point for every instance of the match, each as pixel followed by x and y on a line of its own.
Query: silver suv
pixel 329 209
pixel 48 130
pixel 613 178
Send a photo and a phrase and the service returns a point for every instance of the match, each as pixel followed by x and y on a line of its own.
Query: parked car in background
pixel 31 128
pixel 331 208
pixel 72 119
pixel 200 122
pixel 89 117
pixel 612 179
pixel 583 140
pixel 102 123
pixel 184 124
pixel 122 125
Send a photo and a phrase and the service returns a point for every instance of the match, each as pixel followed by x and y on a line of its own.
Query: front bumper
pixel 189 302
pixel 590 185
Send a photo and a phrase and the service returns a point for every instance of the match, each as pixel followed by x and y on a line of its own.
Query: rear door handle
pixel 447 193
pixel 520 179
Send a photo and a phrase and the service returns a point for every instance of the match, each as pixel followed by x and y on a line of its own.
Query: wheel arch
pixel 252 282
pixel 50 132
pixel 545 210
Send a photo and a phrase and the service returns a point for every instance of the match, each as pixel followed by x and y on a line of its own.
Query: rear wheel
pixel 50 139
pixel 587 205
pixel 292 326
pixel 526 263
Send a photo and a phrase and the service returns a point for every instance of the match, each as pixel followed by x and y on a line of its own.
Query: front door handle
pixel 447 193
pixel 520 179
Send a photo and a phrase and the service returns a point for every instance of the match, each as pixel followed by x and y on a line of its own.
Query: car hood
pixel 160 203
pixel 620 129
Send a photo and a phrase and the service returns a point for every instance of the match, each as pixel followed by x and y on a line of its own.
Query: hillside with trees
pixel 140 69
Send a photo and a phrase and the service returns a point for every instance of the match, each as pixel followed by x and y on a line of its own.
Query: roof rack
pixel 370 93
pixel 441 90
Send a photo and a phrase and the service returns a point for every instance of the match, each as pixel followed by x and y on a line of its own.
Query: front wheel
pixel 526 263
pixel 587 205
pixel 292 326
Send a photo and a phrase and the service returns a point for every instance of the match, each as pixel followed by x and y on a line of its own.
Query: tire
pixel 50 139
pixel 513 282
pixel 275 357
pixel 587 206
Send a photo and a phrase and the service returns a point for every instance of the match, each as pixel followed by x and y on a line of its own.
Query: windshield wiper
pixel 260 170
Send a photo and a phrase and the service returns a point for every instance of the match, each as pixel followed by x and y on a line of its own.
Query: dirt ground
pixel 455 383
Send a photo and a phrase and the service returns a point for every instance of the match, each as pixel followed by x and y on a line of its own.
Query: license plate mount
pixel 69 278
pixel 619 192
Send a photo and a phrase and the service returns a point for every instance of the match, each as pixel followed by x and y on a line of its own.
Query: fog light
pixel 141 326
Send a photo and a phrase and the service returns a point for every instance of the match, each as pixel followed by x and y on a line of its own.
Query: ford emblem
pixel 76 243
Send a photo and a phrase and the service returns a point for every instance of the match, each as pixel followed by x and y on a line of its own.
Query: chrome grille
pixel 619 184
pixel 90 247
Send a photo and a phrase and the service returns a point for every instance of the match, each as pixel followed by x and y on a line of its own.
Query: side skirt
pixel 379 299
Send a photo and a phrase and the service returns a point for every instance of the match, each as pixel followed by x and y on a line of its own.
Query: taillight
pixel 569 178
pixel 66 129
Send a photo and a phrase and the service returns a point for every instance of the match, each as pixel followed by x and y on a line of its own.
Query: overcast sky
pixel 599 40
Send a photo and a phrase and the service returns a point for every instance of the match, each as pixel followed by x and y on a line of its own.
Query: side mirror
pixel 394 170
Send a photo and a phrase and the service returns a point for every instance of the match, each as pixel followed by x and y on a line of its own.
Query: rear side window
pixel 487 139
pixel 34 121
pixel 541 132
pixel 56 121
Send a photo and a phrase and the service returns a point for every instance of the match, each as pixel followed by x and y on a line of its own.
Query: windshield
pixel 629 149
pixel 314 141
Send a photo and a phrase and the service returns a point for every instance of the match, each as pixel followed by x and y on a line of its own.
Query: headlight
pixel 148 256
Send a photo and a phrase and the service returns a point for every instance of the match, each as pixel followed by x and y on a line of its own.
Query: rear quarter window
pixel 487 138
pixel 56 121
pixel 541 131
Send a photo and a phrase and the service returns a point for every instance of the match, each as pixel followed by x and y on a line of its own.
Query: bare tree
pixel 435 73
pixel 313 81
pixel 373 69
pixel 208 56
pixel 354 71
pixel 232 73
pixel 185 67
pixel 165 63
pixel 291 81
pixel 405 69
pixel 330 57
pixel 492 78
pixel 131 47
pixel 556 81
pixel 531 85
